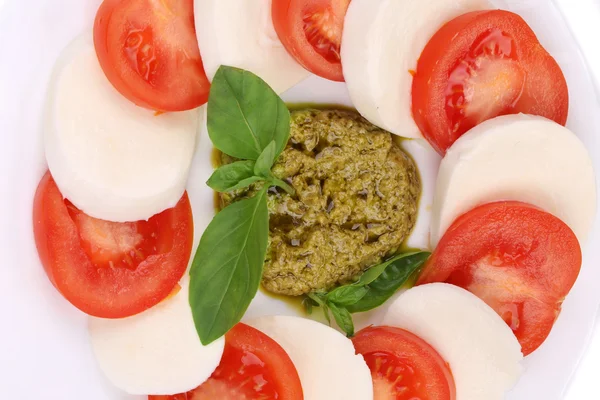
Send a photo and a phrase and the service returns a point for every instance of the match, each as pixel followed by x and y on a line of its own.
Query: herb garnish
pixel 248 121
pixel 374 288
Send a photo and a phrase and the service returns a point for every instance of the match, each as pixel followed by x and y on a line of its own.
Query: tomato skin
pixel 541 88
pixel 519 259
pixel 248 351
pixel 420 370
pixel 85 280
pixel 311 31
pixel 171 77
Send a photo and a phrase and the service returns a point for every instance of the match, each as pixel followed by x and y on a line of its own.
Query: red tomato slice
pixel 311 31
pixel 110 269
pixel 149 52
pixel 404 366
pixel 519 259
pixel 253 367
pixel 481 65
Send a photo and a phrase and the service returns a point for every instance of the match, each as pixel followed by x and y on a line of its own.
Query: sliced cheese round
pixel 482 351
pixel 240 33
pixel 381 44
pixel 325 359
pixel 157 351
pixel 517 157
pixel 112 159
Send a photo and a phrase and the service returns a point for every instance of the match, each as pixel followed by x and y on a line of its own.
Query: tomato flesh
pixel 481 65
pixel 149 52
pixel 519 259
pixel 487 81
pixel 311 31
pixel 253 367
pixel 403 366
pixel 109 269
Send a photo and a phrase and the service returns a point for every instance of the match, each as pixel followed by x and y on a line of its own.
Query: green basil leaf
pixel 278 182
pixel 374 272
pixel 227 268
pixel 265 161
pixel 396 274
pixel 342 318
pixel 346 295
pixel 237 175
pixel 245 114
pixel 318 298
pixel 308 304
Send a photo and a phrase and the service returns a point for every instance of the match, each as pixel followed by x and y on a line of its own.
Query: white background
pixel 584 19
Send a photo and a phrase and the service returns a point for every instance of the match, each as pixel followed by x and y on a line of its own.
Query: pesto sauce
pixel 296 300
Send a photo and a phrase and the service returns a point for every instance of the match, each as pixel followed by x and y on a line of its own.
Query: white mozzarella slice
pixel 428 162
pixel 157 351
pixel 112 159
pixel 240 33
pixel 517 157
pixel 482 351
pixel 326 361
pixel 381 44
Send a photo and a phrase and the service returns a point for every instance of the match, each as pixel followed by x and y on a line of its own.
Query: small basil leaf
pixel 245 114
pixel 318 298
pixel 347 295
pixel 265 161
pixel 278 182
pixel 308 304
pixel 343 319
pixel 396 274
pixel 227 268
pixel 231 176
pixel 373 273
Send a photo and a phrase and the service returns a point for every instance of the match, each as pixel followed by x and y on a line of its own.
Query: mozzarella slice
pixel 324 358
pixel 482 351
pixel 428 162
pixel 240 33
pixel 157 351
pixel 112 159
pixel 381 44
pixel 517 157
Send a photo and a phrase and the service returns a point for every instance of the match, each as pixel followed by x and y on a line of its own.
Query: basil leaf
pixel 396 273
pixel 318 298
pixel 237 175
pixel 342 318
pixel 308 304
pixel 265 161
pixel 245 115
pixel 346 295
pixel 278 182
pixel 227 268
pixel 374 272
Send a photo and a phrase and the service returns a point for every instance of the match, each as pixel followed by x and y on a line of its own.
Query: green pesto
pixel 356 201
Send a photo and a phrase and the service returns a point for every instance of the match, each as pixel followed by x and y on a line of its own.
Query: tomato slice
pixel 253 367
pixel 149 52
pixel 311 31
pixel 403 366
pixel 519 259
pixel 481 65
pixel 110 269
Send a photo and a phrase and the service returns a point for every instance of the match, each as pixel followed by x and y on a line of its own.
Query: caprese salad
pixel 432 279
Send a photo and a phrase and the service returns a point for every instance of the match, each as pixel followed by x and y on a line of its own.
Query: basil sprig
pixel 374 288
pixel 247 121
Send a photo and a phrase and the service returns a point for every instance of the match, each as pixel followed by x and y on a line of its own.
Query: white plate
pixel 44 349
